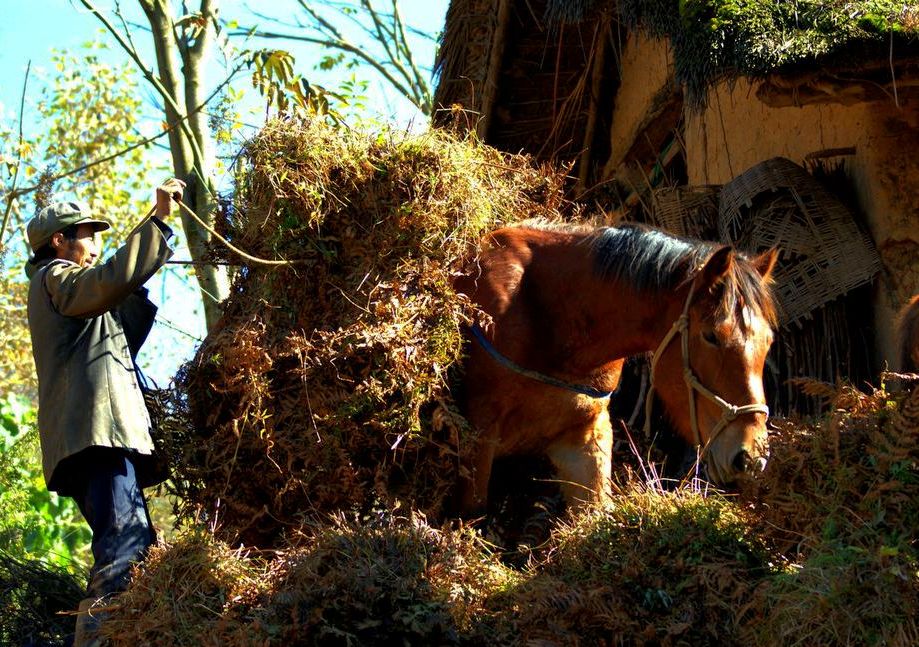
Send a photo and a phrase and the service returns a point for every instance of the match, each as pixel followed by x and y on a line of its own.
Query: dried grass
pixel 820 551
pixel 653 567
pixel 387 580
pixel 326 385
pixel 301 395
pixel 839 504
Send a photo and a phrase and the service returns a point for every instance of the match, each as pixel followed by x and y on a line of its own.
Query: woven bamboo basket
pixel 824 254
pixel 690 211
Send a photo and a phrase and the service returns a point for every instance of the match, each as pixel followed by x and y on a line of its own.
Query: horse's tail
pixel 908 336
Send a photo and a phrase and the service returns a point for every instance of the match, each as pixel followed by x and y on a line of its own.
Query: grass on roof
pixel 714 39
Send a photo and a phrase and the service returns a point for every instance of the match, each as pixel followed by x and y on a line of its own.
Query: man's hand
pixel 170 190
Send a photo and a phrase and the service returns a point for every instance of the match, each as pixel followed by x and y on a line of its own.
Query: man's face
pixel 83 250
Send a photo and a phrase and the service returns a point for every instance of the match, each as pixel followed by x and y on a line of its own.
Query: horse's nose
pixel 743 463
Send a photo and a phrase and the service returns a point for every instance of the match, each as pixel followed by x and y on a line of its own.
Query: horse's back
pixel 496 275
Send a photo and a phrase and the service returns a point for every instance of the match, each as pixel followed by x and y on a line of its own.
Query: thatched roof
pixel 525 81
pixel 518 62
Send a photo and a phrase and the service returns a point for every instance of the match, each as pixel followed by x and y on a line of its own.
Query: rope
pixel 229 245
pixel 728 411
pixel 535 375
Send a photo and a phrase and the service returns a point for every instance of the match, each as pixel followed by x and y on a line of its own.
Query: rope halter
pixel 729 412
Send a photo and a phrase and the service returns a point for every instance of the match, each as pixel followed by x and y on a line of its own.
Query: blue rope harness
pixel 539 377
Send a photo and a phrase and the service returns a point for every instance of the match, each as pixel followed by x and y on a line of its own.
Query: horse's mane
pixel 651 260
pixel 908 334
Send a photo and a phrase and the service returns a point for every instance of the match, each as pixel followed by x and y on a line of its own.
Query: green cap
pixel 58 216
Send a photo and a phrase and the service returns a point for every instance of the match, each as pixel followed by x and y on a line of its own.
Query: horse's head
pixel 708 371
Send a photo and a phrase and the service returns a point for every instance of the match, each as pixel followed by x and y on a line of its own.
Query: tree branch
pixel 95 162
pixel 124 24
pixel 11 194
pixel 148 74
pixel 421 86
pixel 345 47
pixel 396 64
pixel 102 160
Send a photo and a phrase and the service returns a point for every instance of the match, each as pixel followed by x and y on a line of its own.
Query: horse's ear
pixel 717 266
pixel 765 262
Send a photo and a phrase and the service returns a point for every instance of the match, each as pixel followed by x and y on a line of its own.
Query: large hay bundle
pixel 326 384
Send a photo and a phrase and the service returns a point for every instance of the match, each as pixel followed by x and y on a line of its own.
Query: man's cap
pixel 58 216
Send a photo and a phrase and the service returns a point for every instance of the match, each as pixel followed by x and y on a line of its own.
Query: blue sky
pixel 31 29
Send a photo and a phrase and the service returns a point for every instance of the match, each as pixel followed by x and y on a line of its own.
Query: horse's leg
pixel 473 494
pixel 583 459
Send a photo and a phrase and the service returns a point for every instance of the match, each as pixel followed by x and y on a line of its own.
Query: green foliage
pixel 91 111
pixel 33 521
pixel 350 36
pixel 292 94
pixel 224 118
pixel 273 75
pixel 716 38
pixel 17 372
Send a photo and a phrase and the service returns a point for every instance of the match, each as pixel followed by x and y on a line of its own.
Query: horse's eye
pixel 710 337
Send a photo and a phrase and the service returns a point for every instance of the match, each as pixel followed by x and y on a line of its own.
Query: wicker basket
pixel 690 211
pixel 824 254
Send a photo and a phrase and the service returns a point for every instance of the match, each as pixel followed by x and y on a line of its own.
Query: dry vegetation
pixel 821 551
pixel 325 439
pixel 326 385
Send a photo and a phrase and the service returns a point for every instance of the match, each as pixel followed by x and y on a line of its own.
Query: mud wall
pixel 737 130
pixel 646 81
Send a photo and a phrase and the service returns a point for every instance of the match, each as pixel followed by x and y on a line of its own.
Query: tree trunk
pixel 191 147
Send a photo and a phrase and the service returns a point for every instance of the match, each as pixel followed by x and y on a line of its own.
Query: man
pixel 87 324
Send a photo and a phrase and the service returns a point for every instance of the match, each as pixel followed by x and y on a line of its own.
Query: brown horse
pixel 568 304
pixel 908 336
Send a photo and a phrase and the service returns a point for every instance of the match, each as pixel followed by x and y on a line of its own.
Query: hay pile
pixel 385 581
pixel 821 551
pixel 840 503
pixel 326 384
pixel 327 387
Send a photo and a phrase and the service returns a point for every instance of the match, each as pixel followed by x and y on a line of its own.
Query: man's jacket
pixel 87 324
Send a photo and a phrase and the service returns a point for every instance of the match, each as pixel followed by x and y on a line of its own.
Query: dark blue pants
pixel 114 506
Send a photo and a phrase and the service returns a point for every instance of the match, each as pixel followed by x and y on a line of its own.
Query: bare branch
pixel 11 194
pixel 152 78
pixel 124 24
pixel 107 158
pixel 421 86
pixel 379 29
